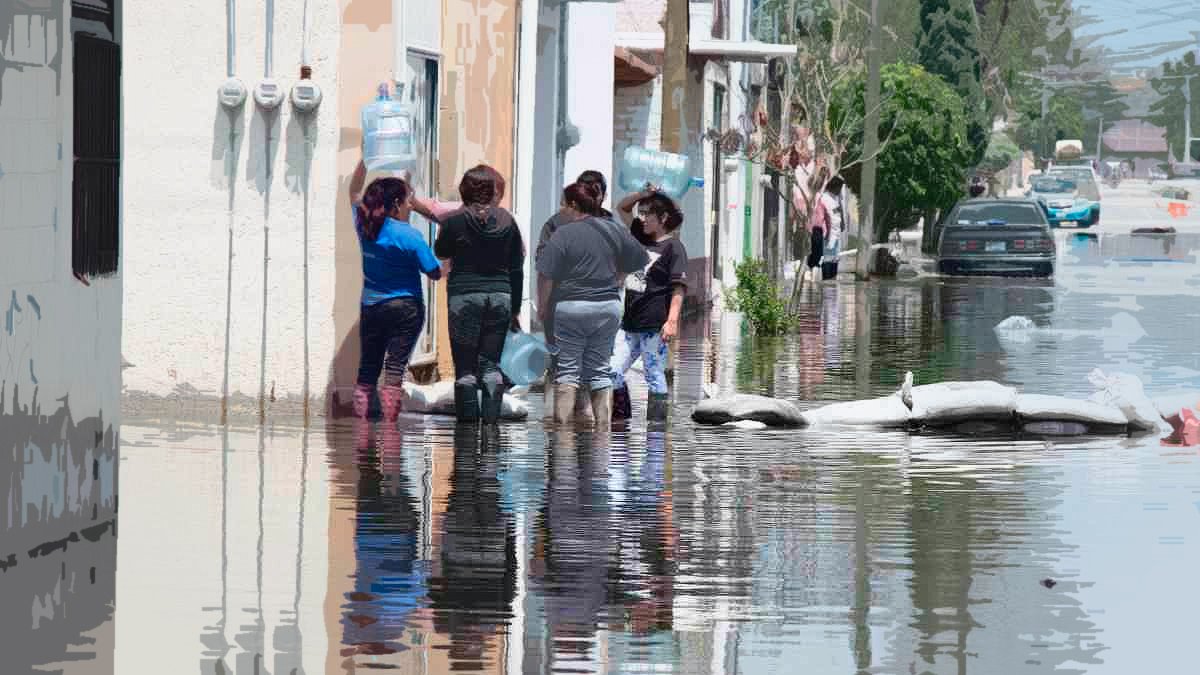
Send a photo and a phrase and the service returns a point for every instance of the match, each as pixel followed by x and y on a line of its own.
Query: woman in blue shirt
pixel 394 255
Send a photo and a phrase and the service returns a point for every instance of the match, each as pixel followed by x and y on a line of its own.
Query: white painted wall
pixel 57 336
pixel 591 30
pixel 215 220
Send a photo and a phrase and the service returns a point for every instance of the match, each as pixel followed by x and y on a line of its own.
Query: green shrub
pixel 757 297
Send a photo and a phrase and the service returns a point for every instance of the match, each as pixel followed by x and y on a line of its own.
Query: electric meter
pixel 232 93
pixel 306 96
pixel 268 94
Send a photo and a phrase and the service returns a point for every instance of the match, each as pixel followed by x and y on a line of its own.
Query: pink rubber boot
pixel 391 399
pixel 362 400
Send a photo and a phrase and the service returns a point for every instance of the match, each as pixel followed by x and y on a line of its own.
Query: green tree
pixel 947 47
pixel 1168 111
pixel 926 153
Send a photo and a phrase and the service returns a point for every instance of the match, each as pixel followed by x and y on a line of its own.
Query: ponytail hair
pixel 585 197
pixel 381 196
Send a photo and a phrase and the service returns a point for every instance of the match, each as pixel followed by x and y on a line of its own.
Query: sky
pixel 1141 33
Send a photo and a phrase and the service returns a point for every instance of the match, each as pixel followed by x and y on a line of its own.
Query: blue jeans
pixel 584 332
pixel 653 352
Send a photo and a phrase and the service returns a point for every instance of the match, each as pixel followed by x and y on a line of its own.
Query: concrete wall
pixel 227 212
pixel 59 361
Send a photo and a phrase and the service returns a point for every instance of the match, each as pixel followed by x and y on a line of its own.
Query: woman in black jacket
pixel 487 279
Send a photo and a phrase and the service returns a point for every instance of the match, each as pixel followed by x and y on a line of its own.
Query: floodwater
pixel 688 550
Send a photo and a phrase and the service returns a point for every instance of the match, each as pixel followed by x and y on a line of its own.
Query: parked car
pixel 996 237
pixel 1063 201
pixel 1085 179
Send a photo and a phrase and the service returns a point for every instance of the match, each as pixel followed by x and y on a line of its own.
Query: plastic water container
pixel 388 143
pixel 666 170
pixel 525 357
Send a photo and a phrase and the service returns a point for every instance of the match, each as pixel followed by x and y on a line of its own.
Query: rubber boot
pixel 466 403
pixel 391 400
pixel 362 400
pixel 583 409
pixel 602 407
pixel 491 405
pixel 564 403
pixel 622 407
pixel 656 408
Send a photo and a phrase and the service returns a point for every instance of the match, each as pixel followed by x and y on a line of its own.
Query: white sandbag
pixel 438 399
pixel 953 402
pixel 887 412
pixel 745 425
pixel 1038 408
pixel 772 412
pixel 1125 391
pixel 1015 323
pixel 1171 403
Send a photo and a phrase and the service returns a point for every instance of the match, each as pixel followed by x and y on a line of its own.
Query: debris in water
pixel 1049 583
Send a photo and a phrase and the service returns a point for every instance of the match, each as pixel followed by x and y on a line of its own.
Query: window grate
pixel 96 187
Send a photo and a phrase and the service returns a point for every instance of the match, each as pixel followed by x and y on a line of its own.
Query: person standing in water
pixel 392 311
pixel 653 300
pixel 583 404
pixel 486 253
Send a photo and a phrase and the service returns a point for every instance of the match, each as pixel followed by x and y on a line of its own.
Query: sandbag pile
pixel 438 399
pixel 1119 406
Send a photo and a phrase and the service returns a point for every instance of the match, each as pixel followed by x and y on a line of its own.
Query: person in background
pixel 580 272
pixel 392 313
pixel 653 300
pixel 487 261
pixel 583 404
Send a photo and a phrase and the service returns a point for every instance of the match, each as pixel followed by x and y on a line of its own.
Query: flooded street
pixel 705 550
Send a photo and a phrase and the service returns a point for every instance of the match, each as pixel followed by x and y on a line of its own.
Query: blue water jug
pixel 388 143
pixel 525 357
pixel 666 170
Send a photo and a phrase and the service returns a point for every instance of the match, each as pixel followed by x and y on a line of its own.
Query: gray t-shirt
pixel 586 258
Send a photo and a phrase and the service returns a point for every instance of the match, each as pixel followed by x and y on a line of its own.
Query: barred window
pixel 96 187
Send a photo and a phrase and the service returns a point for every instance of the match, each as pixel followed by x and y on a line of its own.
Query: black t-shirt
pixel 648 291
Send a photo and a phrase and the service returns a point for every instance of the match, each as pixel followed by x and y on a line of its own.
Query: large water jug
pixel 388 143
pixel 666 170
pixel 525 358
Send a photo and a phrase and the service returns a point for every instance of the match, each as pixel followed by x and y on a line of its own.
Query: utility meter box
pixel 306 96
pixel 231 93
pixel 268 94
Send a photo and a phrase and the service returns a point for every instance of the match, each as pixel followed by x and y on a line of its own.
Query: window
pixel 96 185
pixel 422 92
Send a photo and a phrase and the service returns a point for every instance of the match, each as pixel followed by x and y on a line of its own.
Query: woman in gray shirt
pixel 580 272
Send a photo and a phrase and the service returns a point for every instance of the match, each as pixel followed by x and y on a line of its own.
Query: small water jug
pixel 388 143
pixel 668 171
pixel 525 358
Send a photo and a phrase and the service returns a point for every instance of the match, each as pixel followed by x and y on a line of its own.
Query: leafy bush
pixel 757 297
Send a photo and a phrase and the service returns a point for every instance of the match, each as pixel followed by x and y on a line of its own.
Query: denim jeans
pixel 478 326
pixel 653 352
pixel 584 332
pixel 389 328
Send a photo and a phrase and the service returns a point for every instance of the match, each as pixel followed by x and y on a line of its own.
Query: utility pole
pixel 676 28
pixel 870 149
pixel 1187 119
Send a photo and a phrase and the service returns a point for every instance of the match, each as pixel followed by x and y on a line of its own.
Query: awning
pixel 630 70
pixel 734 50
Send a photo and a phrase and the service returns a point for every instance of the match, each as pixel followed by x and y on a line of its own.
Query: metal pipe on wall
pixel 270 48
pixel 230 35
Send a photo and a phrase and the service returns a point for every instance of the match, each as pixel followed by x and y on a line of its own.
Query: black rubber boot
pixel 466 403
pixel 656 408
pixel 622 407
pixel 492 404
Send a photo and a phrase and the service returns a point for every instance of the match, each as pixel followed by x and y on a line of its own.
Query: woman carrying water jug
pixel 394 255
pixel 486 253
pixel 653 300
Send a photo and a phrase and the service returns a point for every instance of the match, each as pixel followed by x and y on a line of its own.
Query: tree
pixel 1001 153
pixel 924 163
pixel 1168 111
pixel 947 47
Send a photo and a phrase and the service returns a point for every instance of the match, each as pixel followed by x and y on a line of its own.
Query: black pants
pixel 818 247
pixel 388 329
pixel 478 326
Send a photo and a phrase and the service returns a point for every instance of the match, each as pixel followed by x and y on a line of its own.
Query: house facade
pixel 60 319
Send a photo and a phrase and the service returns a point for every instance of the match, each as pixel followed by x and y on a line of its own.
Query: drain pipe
pixel 230 36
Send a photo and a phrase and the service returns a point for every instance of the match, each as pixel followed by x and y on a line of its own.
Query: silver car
pixel 996 237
